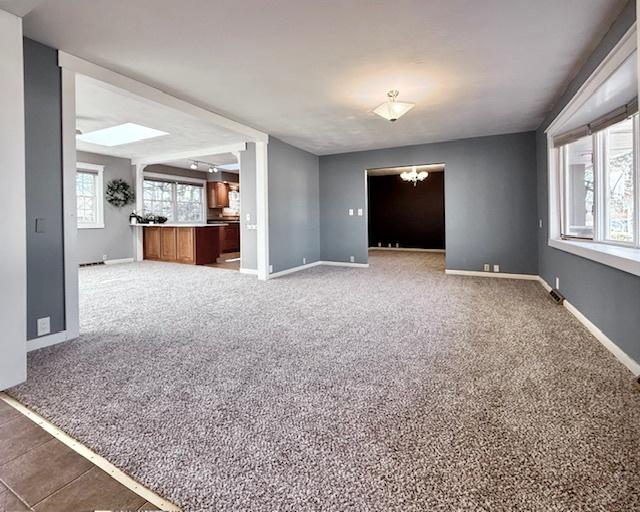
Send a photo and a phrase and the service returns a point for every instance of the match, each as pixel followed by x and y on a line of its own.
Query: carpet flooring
pixel 393 388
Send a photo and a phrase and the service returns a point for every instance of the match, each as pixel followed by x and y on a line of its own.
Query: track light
pixel 194 165
pixel 211 169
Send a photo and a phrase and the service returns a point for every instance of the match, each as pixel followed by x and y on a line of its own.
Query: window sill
pixel 626 259
pixel 91 226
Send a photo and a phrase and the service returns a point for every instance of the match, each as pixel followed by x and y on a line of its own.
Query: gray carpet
pixel 395 388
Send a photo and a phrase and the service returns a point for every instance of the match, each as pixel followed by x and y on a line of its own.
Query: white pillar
pixel 262 207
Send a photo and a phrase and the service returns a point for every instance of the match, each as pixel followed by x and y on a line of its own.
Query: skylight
pixel 122 134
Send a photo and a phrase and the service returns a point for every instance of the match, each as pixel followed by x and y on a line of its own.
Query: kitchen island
pixel 195 244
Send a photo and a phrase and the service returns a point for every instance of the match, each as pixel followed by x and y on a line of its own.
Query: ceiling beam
pixel 189 154
pixel 84 67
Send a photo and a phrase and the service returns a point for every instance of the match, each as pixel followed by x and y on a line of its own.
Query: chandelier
pixel 414 175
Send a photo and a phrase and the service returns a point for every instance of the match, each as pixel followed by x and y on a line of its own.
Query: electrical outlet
pixel 539 223
pixel 352 259
pixel 270 269
pixel 304 261
pixel 248 217
pixel 496 268
pixel 389 245
pixel 360 212
pixel 44 326
pixel 351 212
pixel 557 283
pixel 397 245
pixel 487 267
pixel 379 244
pixel 104 257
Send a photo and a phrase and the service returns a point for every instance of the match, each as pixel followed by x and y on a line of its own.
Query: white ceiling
pixel 100 105
pixel 221 159
pixel 310 72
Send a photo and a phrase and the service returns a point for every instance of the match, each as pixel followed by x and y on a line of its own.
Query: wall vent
pixel 556 296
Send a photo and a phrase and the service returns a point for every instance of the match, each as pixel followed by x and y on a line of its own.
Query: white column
pixel 13 249
pixel 138 250
pixel 262 205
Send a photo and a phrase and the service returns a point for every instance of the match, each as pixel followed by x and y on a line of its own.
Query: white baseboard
pixel 116 262
pixel 406 249
pixel 250 271
pixel 47 341
pixel 294 269
pixel 499 275
pixel 344 264
pixel 620 354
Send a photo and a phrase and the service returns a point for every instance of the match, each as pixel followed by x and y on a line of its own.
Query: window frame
pixel 174 181
pixel 98 170
pixel 623 256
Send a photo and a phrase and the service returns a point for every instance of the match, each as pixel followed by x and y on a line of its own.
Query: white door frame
pixel 71 66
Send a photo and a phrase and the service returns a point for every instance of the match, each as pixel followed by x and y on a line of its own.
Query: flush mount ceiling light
pixel 393 109
pixel 414 175
pixel 119 135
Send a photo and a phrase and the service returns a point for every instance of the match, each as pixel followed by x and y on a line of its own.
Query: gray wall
pixel 115 240
pixel 294 210
pixel 609 297
pixel 248 206
pixel 43 147
pixel 490 200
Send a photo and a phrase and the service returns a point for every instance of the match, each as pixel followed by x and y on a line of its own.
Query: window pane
pixel 579 188
pixel 619 181
pixel 157 198
pixel 189 202
pixel 86 201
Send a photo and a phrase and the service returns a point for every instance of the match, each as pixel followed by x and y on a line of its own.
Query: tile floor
pixel 39 473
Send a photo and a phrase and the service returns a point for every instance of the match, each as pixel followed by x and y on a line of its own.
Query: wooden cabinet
pixel 185 245
pixel 152 243
pixel 193 245
pixel 217 194
pixel 168 244
pixel 230 238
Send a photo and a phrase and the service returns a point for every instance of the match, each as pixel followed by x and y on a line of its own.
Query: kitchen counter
pixel 182 243
pixel 171 225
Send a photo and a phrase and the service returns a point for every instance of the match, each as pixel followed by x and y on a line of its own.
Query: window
pixel 177 201
pixel 599 194
pixel 89 193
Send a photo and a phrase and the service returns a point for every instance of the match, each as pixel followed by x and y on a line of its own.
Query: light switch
pixel 41 225
pixel 351 212
pixel 44 326
pixel 359 212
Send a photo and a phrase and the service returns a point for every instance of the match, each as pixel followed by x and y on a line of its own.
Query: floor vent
pixel 556 296
pixel 92 264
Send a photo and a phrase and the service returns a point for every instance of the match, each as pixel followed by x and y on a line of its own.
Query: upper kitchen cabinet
pixel 217 194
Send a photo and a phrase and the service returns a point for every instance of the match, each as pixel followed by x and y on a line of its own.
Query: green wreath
pixel 119 193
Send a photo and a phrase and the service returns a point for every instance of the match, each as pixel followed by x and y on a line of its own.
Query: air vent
pixel 93 264
pixel 556 296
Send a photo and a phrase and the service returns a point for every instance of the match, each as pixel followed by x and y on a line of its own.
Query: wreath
pixel 119 193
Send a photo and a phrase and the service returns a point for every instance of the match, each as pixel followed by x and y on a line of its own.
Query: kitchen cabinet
pixel 230 238
pixel 217 194
pixel 195 245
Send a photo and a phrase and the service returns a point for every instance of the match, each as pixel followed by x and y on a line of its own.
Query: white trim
pixel 191 153
pixel 624 358
pixel 138 247
pixel 173 178
pixel 262 209
pixel 47 341
pixel 406 249
pixel 118 261
pixel 99 172
pixel 249 271
pixel 344 264
pixel 621 52
pixel 294 269
pixel 626 259
pixel 499 275
pixel 84 67
pixel 82 450
pixel 69 169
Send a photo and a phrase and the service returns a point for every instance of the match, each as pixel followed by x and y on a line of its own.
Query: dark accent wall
pixel 411 216
pixel 609 297
pixel 43 145
pixel 490 200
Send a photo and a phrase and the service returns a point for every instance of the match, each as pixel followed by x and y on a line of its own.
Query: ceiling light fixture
pixel 393 109
pixel 194 165
pixel 414 175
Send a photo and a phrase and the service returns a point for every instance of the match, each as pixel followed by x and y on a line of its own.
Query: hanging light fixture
pixel 393 109
pixel 414 175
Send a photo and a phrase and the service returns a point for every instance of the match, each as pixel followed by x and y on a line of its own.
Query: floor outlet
pixel 496 268
pixel 44 326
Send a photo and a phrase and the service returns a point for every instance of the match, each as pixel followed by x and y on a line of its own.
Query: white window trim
pixel 620 256
pixel 184 179
pixel 99 170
